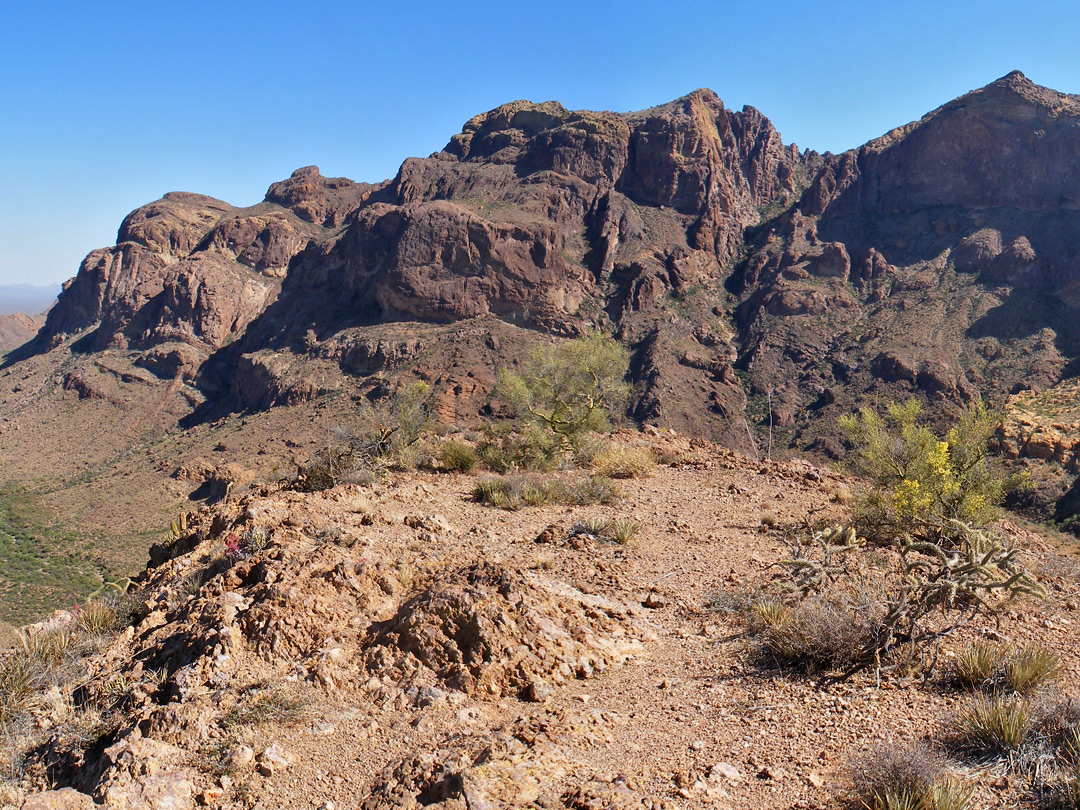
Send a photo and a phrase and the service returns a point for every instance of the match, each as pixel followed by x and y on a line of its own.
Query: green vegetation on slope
pixel 41 568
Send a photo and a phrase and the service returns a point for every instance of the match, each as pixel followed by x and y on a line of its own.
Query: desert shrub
pixel 623 461
pixel 769 520
pixel 923 483
pixel 822 632
pixel 384 438
pixel 1031 667
pixel 526 446
pixel 458 456
pixel 906 777
pixel 595 489
pixel 980 664
pixel 20 678
pixel 994 725
pixel 571 388
pixel 845 614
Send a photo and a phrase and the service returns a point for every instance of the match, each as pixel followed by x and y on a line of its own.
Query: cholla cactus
pixel 822 558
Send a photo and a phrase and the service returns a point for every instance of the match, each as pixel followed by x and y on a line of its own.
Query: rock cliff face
pixel 757 286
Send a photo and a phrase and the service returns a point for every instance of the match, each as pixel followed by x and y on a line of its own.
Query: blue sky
pixel 108 105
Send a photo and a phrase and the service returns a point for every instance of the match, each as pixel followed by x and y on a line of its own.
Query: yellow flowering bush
pixel 922 482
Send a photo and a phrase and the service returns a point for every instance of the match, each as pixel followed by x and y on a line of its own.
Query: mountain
pixel 762 290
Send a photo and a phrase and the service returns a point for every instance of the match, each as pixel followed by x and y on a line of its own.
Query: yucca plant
pixel 1031 667
pixel 20 676
pixel 995 725
pixel 624 531
pixel 980 663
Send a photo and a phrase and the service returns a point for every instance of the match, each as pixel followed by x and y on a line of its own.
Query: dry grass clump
pixel 994 725
pixel 909 777
pixel 624 461
pixel 514 492
pixel 822 632
pixel 20 679
pixel 978 664
pixel 982 665
pixel 98 617
pixel 1031 667
pixel 456 456
pixel 271 702
pixel 623 531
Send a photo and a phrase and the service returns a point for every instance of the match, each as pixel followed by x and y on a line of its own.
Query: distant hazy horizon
pixel 27 298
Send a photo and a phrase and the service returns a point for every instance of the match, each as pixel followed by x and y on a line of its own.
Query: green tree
pixel 570 388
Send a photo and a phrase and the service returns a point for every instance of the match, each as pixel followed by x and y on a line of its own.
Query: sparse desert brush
pixel 595 526
pixel 980 663
pixel 457 456
pixel 593 490
pixel 624 531
pixel 1068 794
pixel 843 495
pixel 514 492
pixel 994 725
pixel 825 632
pixel 20 678
pixel 383 437
pixel 905 777
pixel 269 703
pixel 923 484
pixel 543 562
pixel 1031 667
pixel 623 461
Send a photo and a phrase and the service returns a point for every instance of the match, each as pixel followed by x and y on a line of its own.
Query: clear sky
pixel 107 105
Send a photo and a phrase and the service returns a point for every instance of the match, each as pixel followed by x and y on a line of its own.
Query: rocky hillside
pixel 17 329
pixel 401 645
